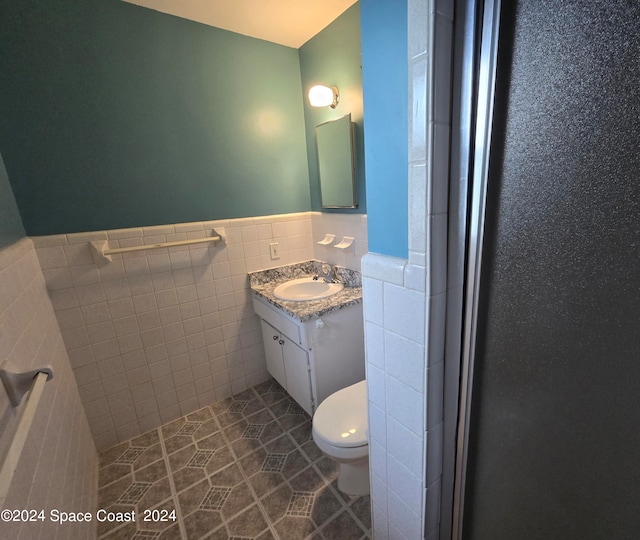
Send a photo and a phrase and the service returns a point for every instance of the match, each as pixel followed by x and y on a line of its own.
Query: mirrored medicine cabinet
pixel 336 163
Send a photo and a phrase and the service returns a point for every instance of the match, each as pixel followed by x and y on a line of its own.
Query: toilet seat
pixel 341 419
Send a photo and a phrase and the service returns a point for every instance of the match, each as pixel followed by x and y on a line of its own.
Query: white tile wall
pixel 405 303
pixel 156 334
pixel 341 225
pixel 59 465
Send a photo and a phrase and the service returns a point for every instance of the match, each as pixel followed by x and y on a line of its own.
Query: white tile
pixel 404 312
pixel 149 319
pixel 49 240
pixel 84 275
pixel 78 254
pixel 81 357
pixel 377 424
pixel 96 313
pixel 379 490
pixel 70 318
pixel 380 521
pixel 180 260
pixel 373 300
pixel 405 405
pixel 52 257
pixel 116 290
pixel 100 332
pixel 186 293
pixel 415 278
pixel 406 485
pixel 159 262
pixel 134 360
pixel 146 407
pixel 405 446
pixel 418 109
pixel 128 431
pixel 374 341
pixel 378 460
pixel 75 338
pixel 129 343
pixel 90 294
pixel 144 302
pixel 152 337
pixel 189 309
pixel 58 278
pixel 110 367
pixel 384 268
pixel 417 30
pixel 87 374
pixel 136 267
pixel 407 522
pixel 405 360
pixel 141 391
pixel 105 349
pixel 376 387
pixel 120 308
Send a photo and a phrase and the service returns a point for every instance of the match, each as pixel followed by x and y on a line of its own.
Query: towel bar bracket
pixel 18 384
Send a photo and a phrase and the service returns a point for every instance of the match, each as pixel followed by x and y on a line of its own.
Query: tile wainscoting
pixel 58 467
pixel 155 335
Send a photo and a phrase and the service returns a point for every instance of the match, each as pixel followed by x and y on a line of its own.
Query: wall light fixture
pixel 323 96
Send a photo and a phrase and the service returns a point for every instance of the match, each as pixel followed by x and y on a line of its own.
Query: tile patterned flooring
pixel 243 468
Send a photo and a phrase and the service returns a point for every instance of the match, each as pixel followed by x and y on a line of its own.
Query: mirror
pixel 336 163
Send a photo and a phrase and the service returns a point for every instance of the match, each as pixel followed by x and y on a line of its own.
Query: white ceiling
pixel 287 22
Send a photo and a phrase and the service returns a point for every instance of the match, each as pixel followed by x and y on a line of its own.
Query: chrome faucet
pixel 328 273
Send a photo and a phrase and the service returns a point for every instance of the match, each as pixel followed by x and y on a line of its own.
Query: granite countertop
pixel 263 283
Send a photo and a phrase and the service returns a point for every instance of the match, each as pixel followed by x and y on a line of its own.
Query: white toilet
pixel 340 429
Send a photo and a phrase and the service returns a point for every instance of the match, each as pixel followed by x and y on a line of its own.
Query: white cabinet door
pixel 296 367
pixel 273 352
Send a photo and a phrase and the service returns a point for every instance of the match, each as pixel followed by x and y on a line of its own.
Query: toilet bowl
pixel 340 430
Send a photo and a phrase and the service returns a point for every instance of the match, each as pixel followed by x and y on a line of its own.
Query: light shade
pixel 323 96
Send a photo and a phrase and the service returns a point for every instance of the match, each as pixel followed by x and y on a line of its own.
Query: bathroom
pixel 122 116
pixel 91 91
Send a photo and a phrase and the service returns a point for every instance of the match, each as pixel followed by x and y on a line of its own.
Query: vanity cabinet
pixel 312 359
pixel 288 364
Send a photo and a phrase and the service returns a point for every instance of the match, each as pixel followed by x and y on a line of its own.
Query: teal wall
pixel 333 58
pixel 11 229
pixel 384 79
pixel 112 115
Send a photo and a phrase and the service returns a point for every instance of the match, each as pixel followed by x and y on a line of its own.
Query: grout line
pixel 244 475
pixel 344 505
pixel 174 493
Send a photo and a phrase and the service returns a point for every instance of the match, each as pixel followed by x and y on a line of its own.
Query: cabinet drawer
pixel 280 322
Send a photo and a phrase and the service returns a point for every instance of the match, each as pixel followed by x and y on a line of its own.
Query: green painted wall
pixel 112 115
pixel 11 229
pixel 333 58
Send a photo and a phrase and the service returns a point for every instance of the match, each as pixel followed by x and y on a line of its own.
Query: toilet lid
pixel 341 419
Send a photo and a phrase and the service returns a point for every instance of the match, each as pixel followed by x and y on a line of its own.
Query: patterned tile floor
pixel 243 468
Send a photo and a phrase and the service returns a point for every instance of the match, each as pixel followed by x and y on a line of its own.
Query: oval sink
pixel 305 289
